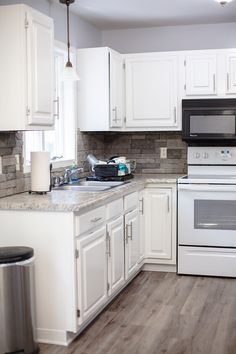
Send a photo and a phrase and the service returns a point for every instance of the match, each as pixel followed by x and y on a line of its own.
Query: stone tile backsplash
pixel 143 147
pixel 11 180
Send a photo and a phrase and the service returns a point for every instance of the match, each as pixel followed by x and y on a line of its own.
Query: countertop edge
pixel 80 202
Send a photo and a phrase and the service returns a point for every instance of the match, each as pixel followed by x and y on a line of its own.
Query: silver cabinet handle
pixel 141 204
pixel 227 81
pixel 175 115
pixel 57 114
pixel 127 235
pixel 168 203
pixel 96 219
pixel 214 82
pixel 108 239
pixel 115 111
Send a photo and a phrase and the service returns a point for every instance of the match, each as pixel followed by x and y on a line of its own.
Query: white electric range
pixel 207 213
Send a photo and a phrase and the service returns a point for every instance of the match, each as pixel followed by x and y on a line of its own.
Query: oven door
pixel 207 215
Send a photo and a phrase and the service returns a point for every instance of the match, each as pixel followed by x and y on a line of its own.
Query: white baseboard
pixel 51 336
pixel 151 267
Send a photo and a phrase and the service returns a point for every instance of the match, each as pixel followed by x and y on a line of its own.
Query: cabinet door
pixel 201 74
pixel 231 73
pixel 158 223
pixel 92 273
pixel 40 68
pixel 116 90
pixel 151 91
pixel 132 253
pixel 116 261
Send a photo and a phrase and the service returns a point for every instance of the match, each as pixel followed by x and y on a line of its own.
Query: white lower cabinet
pixel 132 240
pixel 83 260
pixel 160 224
pixel 92 273
pixel 116 268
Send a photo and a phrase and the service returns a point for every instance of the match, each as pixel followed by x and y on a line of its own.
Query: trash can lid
pixel 15 254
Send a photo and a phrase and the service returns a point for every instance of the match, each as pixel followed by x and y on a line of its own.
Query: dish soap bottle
pixel 74 173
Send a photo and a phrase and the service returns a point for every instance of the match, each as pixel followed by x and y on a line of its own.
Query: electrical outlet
pixel 163 152
pixel 17 157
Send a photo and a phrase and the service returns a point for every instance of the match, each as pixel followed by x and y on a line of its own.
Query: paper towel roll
pixel 40 171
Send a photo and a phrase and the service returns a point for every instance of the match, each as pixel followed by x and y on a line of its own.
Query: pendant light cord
pixel 68 35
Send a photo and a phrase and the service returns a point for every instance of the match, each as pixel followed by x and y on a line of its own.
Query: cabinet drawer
pixel 90 220
pixel 115 209
pixel 131 201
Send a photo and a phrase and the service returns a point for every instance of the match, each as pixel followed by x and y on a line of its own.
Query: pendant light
pixel 69 74
pixel 223 2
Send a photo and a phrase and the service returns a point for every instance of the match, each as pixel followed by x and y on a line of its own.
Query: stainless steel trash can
pixel 16 301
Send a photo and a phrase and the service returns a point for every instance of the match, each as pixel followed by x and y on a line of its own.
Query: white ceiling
pixel 118 14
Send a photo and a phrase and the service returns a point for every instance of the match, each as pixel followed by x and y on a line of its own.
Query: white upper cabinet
pixel 208 73
pixel 152 91
pixel 231 73
pixel 26 69
pixel 201 74
pixel 116 90
pixel 40 41
pixel 101 90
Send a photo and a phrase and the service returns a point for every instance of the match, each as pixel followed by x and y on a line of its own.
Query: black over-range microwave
pixel 209 121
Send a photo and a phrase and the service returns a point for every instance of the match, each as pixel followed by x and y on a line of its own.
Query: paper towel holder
pixel 50 186
pixel 41 172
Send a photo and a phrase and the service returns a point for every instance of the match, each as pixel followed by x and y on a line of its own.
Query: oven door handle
pixel 207 188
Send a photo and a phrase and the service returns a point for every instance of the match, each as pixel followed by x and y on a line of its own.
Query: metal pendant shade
pixel 69 73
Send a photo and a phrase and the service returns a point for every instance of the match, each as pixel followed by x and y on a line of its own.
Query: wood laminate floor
pixel 163 313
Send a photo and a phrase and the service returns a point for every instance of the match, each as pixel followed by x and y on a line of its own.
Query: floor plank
pixel 163 313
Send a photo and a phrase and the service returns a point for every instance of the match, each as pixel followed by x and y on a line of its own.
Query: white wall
pixel 82 33
pixel 171 38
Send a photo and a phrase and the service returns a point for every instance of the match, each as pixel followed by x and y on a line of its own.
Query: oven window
pixel 212 124
pixel 215 214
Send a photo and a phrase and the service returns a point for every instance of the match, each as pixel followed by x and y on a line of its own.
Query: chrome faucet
pixel 67 177
pixel 70 172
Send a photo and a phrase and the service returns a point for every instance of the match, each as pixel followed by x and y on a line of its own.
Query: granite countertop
pixel 74 201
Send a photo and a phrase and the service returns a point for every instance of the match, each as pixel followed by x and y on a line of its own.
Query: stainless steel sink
pixel 81 188
pixel 90 186
pixel 99 184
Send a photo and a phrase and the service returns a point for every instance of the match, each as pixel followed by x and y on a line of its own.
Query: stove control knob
pixel 197 155
pixel 205 155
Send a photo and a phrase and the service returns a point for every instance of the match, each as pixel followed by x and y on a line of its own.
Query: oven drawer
pixel 207 261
